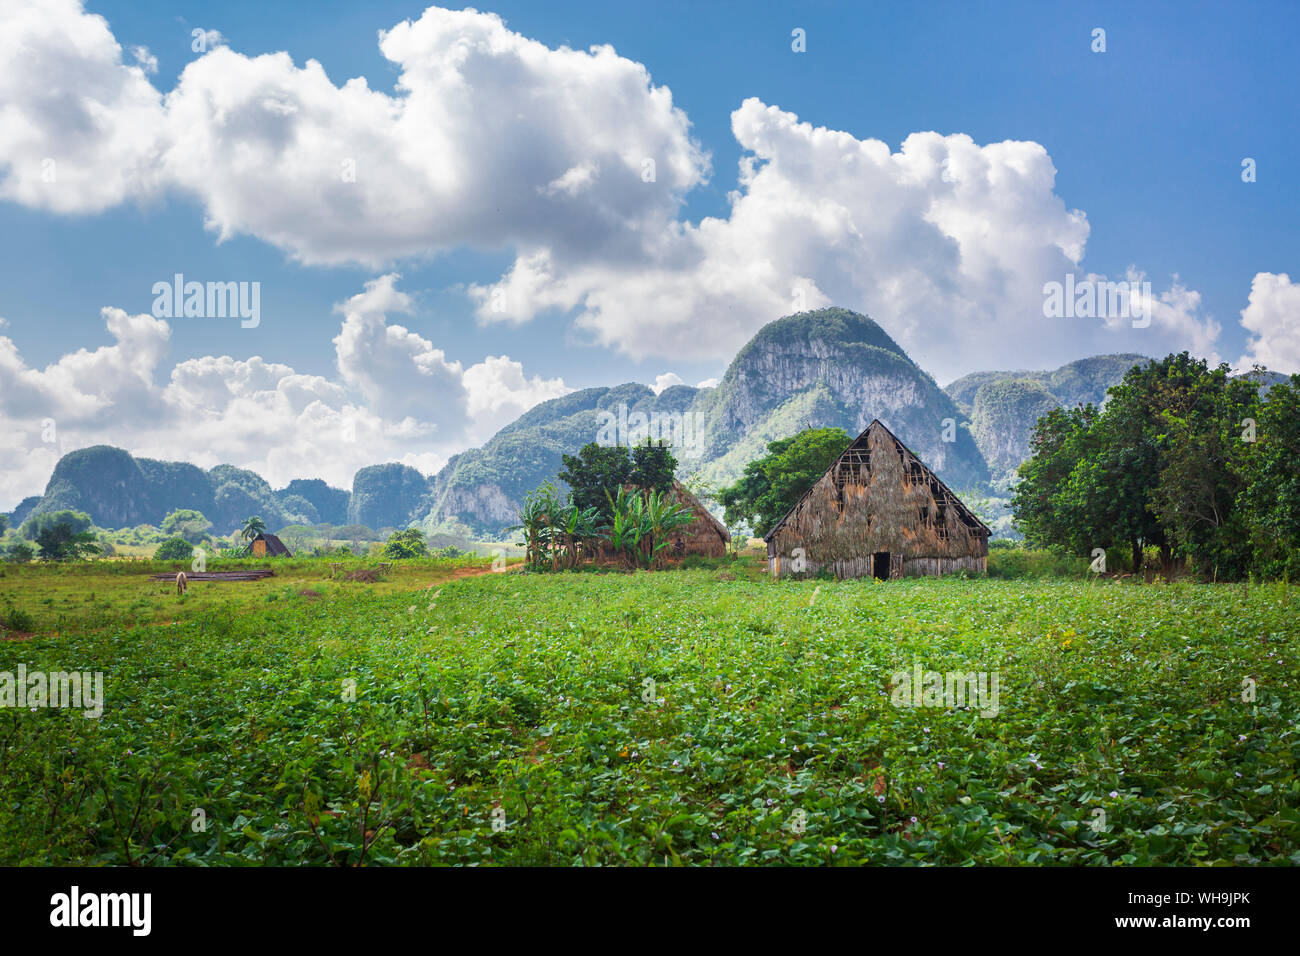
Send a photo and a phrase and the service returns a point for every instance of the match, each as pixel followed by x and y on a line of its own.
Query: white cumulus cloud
pixel 396 398
pixel 1272 317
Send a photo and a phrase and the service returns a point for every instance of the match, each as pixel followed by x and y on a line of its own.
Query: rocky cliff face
pixel 848 371
pixel 1004 417
pixel 825 368
pixel 1004 406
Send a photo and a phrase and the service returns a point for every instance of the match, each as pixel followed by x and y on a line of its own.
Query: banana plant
pixel 537 522
pixel 577 530
pixel 625 530
pixel 661 515
pixel 642 522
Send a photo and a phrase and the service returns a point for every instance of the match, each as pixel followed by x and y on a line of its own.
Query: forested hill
pixel 829 367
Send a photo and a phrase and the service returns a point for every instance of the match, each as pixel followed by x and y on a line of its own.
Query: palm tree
pixel 253 527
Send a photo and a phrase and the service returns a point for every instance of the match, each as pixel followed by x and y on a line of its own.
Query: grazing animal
pixel 182 583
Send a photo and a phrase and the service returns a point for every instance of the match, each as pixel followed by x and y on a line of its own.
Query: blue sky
pixel 1147 140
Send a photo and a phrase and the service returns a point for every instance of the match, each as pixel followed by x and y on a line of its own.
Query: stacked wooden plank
pixel 251 574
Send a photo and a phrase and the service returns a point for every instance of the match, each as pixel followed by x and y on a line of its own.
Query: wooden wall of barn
pixel 864 567
pixel 892 507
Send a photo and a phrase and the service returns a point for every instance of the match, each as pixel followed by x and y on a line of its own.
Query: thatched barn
pixel 877 511
pixel 705 535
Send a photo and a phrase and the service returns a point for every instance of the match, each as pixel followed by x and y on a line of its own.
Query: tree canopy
pixel 188 524
pixel 174 549
pixel 59 541
pixel 1184 457
pixel 77 521
pixel 410 543
pixel 597 473
pixel 770 486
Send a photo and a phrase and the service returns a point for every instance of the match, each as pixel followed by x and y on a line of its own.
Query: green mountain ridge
pixel 1004 406
pixel 830 367
pixel 825 368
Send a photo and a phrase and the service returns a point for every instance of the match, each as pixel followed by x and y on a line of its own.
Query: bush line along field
pixel 699 716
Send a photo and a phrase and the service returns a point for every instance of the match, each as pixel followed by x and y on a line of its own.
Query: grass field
pixel 119 594
pixel 704 716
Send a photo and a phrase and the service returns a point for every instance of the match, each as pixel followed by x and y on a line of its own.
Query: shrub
pixel 20 553
pixel 406 544
pixel 16 619
pixel 174 549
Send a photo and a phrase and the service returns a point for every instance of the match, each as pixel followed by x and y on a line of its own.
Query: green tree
pixel 188 524
pixel 77 521
pixel 174 549
pixel 4 523
pixel 653 466
pixel 296 537
pixel 58 542
pixel 770 486
pixel 1163 465
pixel 251 527
pixel 1060 441
pixel 596 474
pixel 1133 447
pixel 406 544
pixel 1270 500
pixel 1202 475
pixel 20 553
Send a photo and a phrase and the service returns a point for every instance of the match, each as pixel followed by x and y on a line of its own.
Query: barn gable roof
pixel 274 546
pixel 861 442
pixel 702 513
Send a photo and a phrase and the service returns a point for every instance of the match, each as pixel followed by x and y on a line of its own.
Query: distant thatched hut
pixel 878 511
pixel 268 544
pixel 705 535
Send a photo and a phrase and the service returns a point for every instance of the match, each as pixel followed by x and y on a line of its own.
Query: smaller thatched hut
pixel 705 535
pixel 268 545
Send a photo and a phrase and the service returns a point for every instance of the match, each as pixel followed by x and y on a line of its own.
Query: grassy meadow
pixel 694 716
pixel 118 593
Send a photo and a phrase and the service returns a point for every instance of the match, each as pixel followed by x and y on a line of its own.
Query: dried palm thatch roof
pixel 703 516
pixel 855 455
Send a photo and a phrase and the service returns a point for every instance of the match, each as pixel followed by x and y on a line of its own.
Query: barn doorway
pixel 880 565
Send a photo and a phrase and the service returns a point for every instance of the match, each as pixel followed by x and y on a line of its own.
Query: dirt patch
pixel 16 635
pixel 469 572
pixel 308 593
